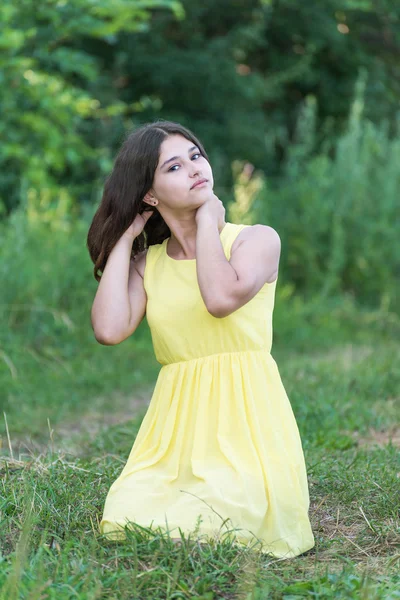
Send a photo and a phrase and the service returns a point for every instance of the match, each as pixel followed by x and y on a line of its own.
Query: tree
pixel 48 74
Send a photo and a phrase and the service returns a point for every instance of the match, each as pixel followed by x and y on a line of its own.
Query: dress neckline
pixel 188 260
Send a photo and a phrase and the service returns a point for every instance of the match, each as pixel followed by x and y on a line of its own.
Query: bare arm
pixel 227 285
pixel 120 302
pixel 214 271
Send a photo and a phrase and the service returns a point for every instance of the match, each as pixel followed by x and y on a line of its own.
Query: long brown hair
pixel 130 180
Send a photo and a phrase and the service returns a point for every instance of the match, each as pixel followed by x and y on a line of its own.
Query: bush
pixel 337 210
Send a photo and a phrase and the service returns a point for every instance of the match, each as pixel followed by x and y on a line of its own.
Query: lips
pixel 198 182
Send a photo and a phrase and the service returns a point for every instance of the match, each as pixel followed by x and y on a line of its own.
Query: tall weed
pixel 337 210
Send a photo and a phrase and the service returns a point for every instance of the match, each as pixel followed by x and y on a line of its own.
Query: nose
pixel 195 171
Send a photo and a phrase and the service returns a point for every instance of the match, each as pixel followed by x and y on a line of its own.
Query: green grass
pixel 345 402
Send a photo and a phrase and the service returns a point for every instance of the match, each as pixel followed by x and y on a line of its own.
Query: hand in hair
pixel 137 226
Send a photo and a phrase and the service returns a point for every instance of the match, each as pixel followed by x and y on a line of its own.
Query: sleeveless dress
pixel 218 449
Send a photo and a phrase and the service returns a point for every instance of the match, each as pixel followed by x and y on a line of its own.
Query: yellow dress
pixel 218 448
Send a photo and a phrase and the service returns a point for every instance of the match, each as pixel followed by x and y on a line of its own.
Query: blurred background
pixel 297 104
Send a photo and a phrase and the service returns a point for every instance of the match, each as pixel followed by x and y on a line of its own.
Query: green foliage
pixel 337 210
pixel 238 72
pixel 76 75
pixel 46 338
pixel 48 78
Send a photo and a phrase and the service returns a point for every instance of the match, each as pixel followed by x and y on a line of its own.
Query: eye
pixel 196 154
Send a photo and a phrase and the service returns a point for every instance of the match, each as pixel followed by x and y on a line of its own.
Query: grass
pixel 345 402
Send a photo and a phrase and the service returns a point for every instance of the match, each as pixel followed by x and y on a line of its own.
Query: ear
pixel 149 198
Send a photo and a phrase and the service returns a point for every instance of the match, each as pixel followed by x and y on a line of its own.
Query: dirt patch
pixel 66 436
pixel 350 534
pixel 375 437
pixel 347 355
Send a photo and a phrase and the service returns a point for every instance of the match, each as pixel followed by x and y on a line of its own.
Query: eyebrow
pixel 176 157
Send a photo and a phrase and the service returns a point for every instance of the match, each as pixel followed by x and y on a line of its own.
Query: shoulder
pixel 263 233
pixel 139 261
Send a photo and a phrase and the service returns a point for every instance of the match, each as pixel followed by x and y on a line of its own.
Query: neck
pixel 182 241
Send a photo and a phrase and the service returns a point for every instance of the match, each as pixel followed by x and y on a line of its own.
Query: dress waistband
pixel 217 355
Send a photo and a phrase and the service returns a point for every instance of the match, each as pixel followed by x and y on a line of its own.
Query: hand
pixel 213 209
pixel 137 226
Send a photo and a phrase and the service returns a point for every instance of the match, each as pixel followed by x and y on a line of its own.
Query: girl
pixel 219 444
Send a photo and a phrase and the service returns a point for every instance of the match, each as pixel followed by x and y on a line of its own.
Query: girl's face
pixel 180 165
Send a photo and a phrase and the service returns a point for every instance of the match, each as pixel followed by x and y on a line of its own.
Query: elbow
pixel 102 335
pixel 219 311
pixel 105 339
